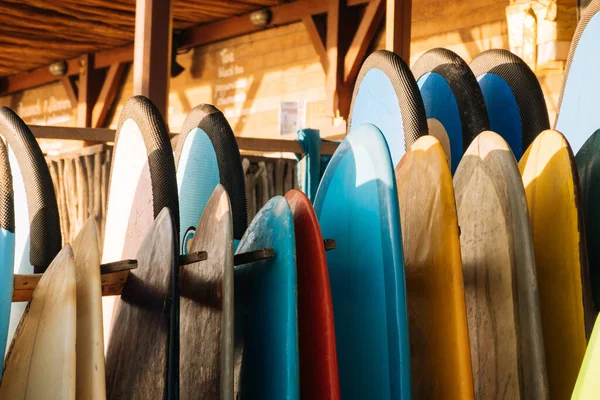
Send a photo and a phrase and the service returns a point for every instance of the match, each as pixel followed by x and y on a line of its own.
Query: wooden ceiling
pixel 35 33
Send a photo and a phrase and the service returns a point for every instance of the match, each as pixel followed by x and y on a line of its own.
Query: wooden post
pixel 89 87
pixel 152 51
pixel 397 27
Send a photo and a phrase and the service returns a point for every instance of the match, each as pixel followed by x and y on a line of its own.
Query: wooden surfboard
pixel 552 187
pixel 40 363
pixel 437 316
pixel 142 182
pixel 588 165
pixel 137 360
pixel 505 331
pixel 387 96
pixel 266 318
pixel 316 332
pixel 357 205
pixel 588 380
pixel 90 341
pixel 7 247
pixel 206 319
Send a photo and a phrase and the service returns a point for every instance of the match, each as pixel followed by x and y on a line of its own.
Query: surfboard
pixel 142 182
pixel 587 386
pixel 90 341
pixel 37 225
pixel 266 317
pixel 452 96
pixel 7 247
pixel 138 360
pixel 577 116
pixel 40 363
pixel 501 294
pixel 316 331
pixel 206 310
pixel 437 315
pixel 550 178
pixel 357 205
pixel 387 96
pixel 588 165
pixel 513 98
pixel 207 154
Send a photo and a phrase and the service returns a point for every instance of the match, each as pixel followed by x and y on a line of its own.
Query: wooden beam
pixel 71 90
pixel 87 93
pixel 315 38
pixel 362 40
pixel 108 94
pixel 108 135
pixel 37 77
pixel 333 77
pixel 152 51
pixel 397 27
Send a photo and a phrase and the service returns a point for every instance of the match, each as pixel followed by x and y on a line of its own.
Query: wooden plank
pixel 88 90
pixel 107 95
pixel 152 51
pixel 315 39
pixel 71 133
pixel 37 77
pixel 251 256
pixel 70 88
pixel 333 76
pixel 361 42
pixel 397 27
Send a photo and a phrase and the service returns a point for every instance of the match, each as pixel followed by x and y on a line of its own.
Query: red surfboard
pixel 316 332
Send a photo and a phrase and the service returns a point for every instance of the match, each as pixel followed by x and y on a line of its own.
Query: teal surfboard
pixel 37 237
pixel 386 95
pixel 513 98
pixel 266 316
pixel 577 117
pixel 207 154
pixel 357 205
pixel 452 96
pixel 7 247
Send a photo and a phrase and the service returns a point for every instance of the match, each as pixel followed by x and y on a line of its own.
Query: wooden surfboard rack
pixel 114 274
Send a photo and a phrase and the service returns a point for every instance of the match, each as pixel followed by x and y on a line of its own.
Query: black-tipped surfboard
pixel 577 117
pixel 386 95
pixel 138 358
pixel 452 96
pixel 37 225
pixel 7 246
pixel 206 352
pixel 207 154
pixel 142 183
pixel 513 98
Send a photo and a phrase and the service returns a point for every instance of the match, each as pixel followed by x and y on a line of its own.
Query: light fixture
pixel 261 18
pixel 58 68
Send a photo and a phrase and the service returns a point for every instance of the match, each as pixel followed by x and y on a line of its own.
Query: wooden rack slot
pixel 330 244
pixel 251 256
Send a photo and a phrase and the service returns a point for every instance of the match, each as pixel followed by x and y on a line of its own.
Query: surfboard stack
pixel 451 250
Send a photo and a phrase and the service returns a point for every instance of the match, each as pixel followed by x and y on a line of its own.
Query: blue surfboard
pixel 357 205
pixel 578 117
pixel 7 247
pixel 513 98
pixel 37 238
pixel 386 95
pixel 452 96
pixel 207 154
pixel 266 316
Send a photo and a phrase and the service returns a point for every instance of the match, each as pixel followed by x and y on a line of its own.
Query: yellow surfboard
pixel 440 354
pixel 90 348
pixel 505 332
pixel 40 363
pixel 588 381
pixel 551 184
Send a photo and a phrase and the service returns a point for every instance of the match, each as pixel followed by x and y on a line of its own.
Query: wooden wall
pixel 248 77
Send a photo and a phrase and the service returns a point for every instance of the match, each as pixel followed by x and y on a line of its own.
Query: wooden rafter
pixel 71 90
pixel 334 53
pixel 316 39
pixel 108 94
pixel 89 87
pixel 363 38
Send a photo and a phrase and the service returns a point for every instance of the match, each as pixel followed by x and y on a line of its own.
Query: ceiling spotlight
pixel 261 18
pixel 58 68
